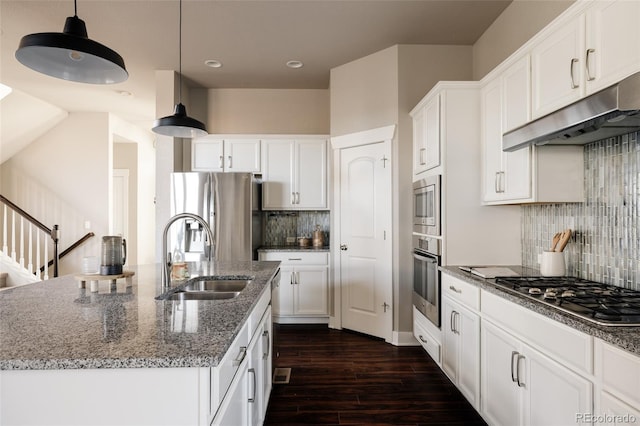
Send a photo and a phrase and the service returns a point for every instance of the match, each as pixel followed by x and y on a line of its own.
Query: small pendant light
pixel 72 55
pixel 179 125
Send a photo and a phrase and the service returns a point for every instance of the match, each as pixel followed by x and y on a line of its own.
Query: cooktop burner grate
pixel 600 303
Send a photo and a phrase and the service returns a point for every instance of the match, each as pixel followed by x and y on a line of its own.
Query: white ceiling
pixel 253 40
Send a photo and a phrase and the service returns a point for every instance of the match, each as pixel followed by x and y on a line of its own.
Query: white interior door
pixel 365 239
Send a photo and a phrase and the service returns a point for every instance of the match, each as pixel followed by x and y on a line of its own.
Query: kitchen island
pixel 71 356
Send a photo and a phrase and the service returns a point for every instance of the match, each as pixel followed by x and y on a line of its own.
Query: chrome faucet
pixel 166 261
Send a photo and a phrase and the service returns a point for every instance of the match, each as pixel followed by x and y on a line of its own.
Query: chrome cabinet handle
pixel 297 198
pixel 253 398
pixel 520 383
pixel 221 162
pixel 454 289
pixel 573 80
pixel 495 184
pixel 451 326
pixel 266 334
pixel 423 340
pixel 293 198
pixel 422 160
pixel 587 65
pixel 514 354
pixel 240 357
pixel 229 161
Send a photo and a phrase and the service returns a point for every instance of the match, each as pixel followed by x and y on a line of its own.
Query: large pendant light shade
pixel 179 125
pixel 72 55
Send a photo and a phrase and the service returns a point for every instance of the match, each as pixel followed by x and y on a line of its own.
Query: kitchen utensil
pixel 554 241
pixel 552 264
pixel 564 239
pixel 318 237
pixel 114 255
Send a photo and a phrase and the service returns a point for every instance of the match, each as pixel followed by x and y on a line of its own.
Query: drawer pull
pixel 295 258
pixel 455 290
pixel 253 373
pixel 240 357
pixel 520 383
pixel 514 354
pixel 265 355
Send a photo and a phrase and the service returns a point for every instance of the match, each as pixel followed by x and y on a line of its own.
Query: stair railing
pixel 41 232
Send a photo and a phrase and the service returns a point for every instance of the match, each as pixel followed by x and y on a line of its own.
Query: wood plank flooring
pixel 345 378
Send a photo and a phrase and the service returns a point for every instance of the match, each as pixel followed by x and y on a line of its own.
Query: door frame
pixel 383 135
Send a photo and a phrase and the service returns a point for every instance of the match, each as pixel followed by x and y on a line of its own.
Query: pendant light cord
pixel 75 8
pixel 180 55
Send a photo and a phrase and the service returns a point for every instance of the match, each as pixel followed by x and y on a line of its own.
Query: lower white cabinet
pixel 302 295
pixel 461 349
pixel 521 386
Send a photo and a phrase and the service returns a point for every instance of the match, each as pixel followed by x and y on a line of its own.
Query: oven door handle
pixel 424 257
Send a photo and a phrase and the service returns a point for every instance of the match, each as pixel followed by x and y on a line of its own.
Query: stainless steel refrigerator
pixel 229 203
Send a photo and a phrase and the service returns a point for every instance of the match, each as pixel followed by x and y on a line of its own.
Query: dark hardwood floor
pixel 342 377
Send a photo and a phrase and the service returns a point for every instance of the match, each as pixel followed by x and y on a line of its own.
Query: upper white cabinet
pixel 426 135
pixel 584 54
pixel 294 173
pixel 215 154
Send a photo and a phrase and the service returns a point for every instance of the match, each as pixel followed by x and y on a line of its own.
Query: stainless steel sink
pixel 217 285
pixel 202 295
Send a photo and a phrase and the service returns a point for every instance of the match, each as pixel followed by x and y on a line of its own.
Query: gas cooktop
pixel 599 303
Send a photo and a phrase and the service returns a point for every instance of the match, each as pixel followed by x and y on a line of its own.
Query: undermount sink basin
pixel 217 285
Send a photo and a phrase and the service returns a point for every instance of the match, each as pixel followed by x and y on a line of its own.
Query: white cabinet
pixel 213 153
pixel 619 395
pixel 461 337
pixel 426 136
pixel 531 174
pixel 521 386
pixel 507 175
pixel 294 174
pixel 585 53
pixel 303 292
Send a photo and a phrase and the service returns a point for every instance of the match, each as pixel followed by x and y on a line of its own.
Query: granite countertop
pixel 624 337
pixel 293 248
pixel 54 324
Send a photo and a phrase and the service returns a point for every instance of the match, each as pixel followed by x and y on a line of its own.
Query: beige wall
pixel 379 90
pixel 514 27
pixel 275 111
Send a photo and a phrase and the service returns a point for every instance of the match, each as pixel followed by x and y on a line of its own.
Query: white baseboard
pixel 404 338
pixel 300 320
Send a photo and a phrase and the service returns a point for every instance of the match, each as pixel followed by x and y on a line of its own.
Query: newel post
pixel 55 236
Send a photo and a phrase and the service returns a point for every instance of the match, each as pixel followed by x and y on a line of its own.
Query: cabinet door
pixel 207 155
pixel 234 410
pixel 432 133
pixel 491 109
pixel 450 341
pixel 468 328
pixel 311 174
pixel 277 174
pixel 282 295
pixel 419 149
pixel 613 42
pixel 242 155
pixel 554 394
pixel 501 396
pixel 267 361
pixel 558 68
pixel 617 412
pixel 310 291
pixel 254 378
pixel 516 94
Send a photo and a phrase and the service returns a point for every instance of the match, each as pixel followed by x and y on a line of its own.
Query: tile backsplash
pixel 278 225
pixel 606 244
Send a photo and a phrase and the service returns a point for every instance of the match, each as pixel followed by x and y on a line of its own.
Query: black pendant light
pixel 72 55
pixel 179 125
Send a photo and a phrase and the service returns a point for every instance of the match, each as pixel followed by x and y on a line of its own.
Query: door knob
pixel 343 247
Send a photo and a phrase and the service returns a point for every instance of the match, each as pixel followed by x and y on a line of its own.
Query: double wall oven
pixel 427 247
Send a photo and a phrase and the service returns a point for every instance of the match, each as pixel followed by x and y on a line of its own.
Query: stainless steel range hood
pixel 611 112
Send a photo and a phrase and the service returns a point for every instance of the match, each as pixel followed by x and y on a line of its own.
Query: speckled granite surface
pixel 293 248
pixel 627 338
pixel 55 325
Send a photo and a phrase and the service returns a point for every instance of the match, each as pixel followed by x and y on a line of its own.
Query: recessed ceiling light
pixel 213 63
pixel 124 93
pixel 295 64
pixel 4 90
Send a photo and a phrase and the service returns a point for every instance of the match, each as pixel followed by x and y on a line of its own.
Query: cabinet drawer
pixel 296 257
pixel 428 342
pixel 565 344
pixel 619 371
pixel 258 312
pixel 461 291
